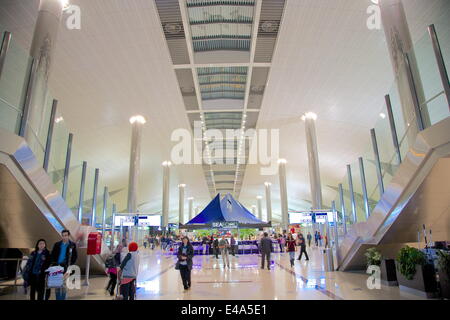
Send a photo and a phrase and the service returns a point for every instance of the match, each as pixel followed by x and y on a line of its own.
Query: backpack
pixel 110 262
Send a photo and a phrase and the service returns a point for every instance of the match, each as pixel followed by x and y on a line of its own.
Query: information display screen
pixel 149 221
pixel 296 217
pixel 127 221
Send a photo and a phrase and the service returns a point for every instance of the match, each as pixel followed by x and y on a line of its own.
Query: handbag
pixel 177 265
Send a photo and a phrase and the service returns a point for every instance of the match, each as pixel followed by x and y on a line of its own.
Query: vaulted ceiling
pixel 227 65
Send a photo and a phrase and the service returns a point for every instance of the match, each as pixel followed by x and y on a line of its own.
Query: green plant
pixel 444 261
pixel 407 259
pixel 373 257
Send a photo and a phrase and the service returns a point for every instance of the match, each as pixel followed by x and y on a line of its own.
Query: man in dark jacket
pixel 64 254
pixel 266 248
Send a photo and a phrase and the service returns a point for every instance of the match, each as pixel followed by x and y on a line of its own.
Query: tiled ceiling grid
pixel 222 61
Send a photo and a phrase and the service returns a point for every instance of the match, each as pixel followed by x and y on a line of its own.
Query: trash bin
pixel 328 264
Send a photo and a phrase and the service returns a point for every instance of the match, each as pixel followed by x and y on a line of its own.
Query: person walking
pixel 216 247
pixel 309 237
pixel 204 244
pixel 265 248
pixel 319 238
pixel 302 244
pixel 282 242
pixel 224 247
pixel 111 271
pixel 290 248
pixel 128 272
pixel 64 254
pixel 34 273
pixel 316 239
pixel 233 245
pixel 185 255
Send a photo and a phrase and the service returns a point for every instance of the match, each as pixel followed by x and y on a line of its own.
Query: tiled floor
pixel 244 281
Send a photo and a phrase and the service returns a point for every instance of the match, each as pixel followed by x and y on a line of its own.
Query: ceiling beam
pixel 222 65
pixel 256 18
pixel 187 30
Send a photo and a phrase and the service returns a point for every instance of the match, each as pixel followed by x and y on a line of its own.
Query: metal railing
pixel 18 270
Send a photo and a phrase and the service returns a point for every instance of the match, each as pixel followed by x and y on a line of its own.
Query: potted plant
pixel 414 274
pixel 444 272
pixel 387 266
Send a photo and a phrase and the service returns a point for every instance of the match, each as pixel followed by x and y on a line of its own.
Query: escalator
pixel 418 194
pixel 32 208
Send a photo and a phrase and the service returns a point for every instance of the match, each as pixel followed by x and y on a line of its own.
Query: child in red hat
pixel 129 271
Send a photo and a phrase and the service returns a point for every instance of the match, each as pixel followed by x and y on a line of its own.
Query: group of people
pixel 40 262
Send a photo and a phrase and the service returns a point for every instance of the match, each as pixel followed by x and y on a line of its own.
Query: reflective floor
pixel 245 280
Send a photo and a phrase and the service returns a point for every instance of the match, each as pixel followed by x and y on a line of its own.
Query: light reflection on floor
pixel 245 280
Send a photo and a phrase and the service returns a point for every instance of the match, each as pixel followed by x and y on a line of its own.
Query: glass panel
pixel 358 192
pixel 442 26
pixel 15 74
pixel 58 152
pixel 88 195
pixel 9 117
pixel 438 109
pixel 36 146
pixel 428 69
pixel 371 177
pixel 385 146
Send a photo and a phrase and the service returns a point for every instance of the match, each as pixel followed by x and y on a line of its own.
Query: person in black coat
pixel 185 255
pixel 216 247
pixel 69 257
pixel 34 273
pixel 302 244
pixel 266 248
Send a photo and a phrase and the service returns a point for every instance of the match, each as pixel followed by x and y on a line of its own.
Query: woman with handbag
pixel 184 264
pixel 34 272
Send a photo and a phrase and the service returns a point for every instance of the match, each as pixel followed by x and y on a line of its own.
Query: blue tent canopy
pixel 227 209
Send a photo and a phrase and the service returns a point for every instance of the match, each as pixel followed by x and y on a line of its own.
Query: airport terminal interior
pixel 224 150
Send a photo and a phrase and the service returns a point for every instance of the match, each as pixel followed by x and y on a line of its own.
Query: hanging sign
pixel 225 225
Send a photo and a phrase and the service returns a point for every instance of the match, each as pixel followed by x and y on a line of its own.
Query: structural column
pixel 259 205
pixel 181 189
pixel 403 60
pixel 135 157
pixel 166 188
pixel 191 207
pixel 313 159
pixel 268 200
pixel 283 194
pixel 42 50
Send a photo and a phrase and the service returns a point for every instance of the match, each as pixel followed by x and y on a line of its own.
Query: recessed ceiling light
pixel 382 115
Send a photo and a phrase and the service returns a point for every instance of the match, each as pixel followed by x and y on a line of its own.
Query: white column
pixel 181 189
pixel 166 188
pixel 42 50
pixel 398 39
pixel 267 186
pixel 283 194
pixel 259 205
pixel 313 159
pixel 135 161
pixel 191 208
